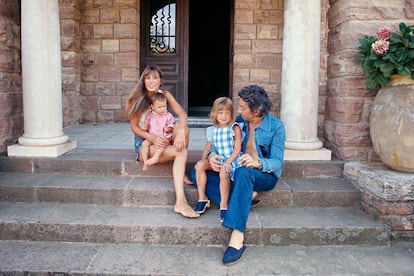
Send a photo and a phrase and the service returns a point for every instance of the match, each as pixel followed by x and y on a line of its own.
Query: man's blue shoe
pixel 202 206
pixel 222 214
pixel 255 202
pixel 232 255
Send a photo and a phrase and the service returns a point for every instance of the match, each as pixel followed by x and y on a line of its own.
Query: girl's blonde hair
pixel 220 104
pixel 138 100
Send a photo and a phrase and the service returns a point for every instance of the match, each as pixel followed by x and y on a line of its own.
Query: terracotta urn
pixel 392 124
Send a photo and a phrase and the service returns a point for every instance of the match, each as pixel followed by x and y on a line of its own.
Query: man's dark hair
pixel 257 99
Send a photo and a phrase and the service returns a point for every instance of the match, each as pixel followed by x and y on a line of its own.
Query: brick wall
pixel 109 32
pixel 11 101
pixel 348 104
pixel 258 40
pixel 258 29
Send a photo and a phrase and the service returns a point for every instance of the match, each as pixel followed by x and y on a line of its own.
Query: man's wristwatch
pixel 259 161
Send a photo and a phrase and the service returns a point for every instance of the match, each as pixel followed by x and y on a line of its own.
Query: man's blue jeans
pixel 246 180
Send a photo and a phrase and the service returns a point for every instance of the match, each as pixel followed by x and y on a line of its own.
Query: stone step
pixel 122 162
pixel 61 258
pixel 199 121
pixel 161 226
pixel 159 191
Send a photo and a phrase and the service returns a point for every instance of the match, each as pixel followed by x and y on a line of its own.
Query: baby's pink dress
pixel 156 122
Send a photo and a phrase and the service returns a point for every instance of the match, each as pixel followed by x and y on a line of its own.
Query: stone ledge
pixel 386 194
pixel 318 154
pixel 382 182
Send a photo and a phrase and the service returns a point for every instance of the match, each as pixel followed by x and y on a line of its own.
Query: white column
pixel 300 80
pixel 42 85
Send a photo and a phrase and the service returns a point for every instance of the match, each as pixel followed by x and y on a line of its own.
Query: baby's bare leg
pixel 154 159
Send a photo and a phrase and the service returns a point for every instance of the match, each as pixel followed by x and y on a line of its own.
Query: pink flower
pixel 380 46
pixel 383 33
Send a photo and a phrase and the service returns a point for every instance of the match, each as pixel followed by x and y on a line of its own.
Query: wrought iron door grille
pixel 162 29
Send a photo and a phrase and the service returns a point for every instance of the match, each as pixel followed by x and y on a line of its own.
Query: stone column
pixel 300 80
pixel 42 85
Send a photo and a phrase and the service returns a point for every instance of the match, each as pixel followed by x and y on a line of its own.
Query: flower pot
pixel 392 124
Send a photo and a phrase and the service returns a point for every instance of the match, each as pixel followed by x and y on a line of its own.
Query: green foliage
pixel 398 59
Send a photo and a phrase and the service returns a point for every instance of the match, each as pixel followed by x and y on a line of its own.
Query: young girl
pixel 225 139
pixel 159 122
pixel 137 107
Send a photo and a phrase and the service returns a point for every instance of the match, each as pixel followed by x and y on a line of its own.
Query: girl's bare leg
pixel 224 190
pixel 201 177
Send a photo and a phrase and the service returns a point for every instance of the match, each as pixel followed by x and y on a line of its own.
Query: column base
pixel 18 150
pixel 317 154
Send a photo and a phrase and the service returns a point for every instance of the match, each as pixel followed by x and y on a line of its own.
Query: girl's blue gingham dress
pixel 222 140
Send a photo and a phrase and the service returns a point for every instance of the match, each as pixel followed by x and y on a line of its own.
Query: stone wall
pixel 69 12
pixel 258 40
pixel 100 54
pixel 11 100
pixel 348 104
pixel 109 53
pixel 258 30
pixel 109 33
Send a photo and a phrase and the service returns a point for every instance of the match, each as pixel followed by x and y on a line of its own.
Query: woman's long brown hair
pixel 138 100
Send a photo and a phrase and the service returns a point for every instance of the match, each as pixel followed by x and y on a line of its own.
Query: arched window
pixel 162 28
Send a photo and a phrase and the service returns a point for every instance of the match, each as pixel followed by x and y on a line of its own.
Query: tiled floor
pixel 118 136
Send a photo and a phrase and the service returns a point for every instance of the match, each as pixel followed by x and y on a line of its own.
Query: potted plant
pixel 385 54
pixel 388 62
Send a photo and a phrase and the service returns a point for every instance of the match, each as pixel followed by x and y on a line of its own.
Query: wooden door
pixel 164 41
pixel 192 43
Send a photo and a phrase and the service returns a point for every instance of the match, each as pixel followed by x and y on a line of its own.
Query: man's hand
pixel 215 161
pixel 248 161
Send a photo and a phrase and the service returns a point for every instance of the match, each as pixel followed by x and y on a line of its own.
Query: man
pixel 262 160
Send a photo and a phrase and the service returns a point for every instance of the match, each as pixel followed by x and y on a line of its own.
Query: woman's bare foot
pixel 185 210
pixel 144 167
pixel 254 195
pixel 187 180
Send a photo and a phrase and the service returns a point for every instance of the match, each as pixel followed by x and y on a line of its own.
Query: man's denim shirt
pixel 270 142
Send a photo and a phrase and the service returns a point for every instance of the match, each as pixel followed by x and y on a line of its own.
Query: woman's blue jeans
pixel 246 180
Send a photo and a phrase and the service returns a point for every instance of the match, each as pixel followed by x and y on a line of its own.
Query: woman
pixel 137 107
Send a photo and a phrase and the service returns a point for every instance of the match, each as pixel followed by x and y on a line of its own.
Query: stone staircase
pixel 91 197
